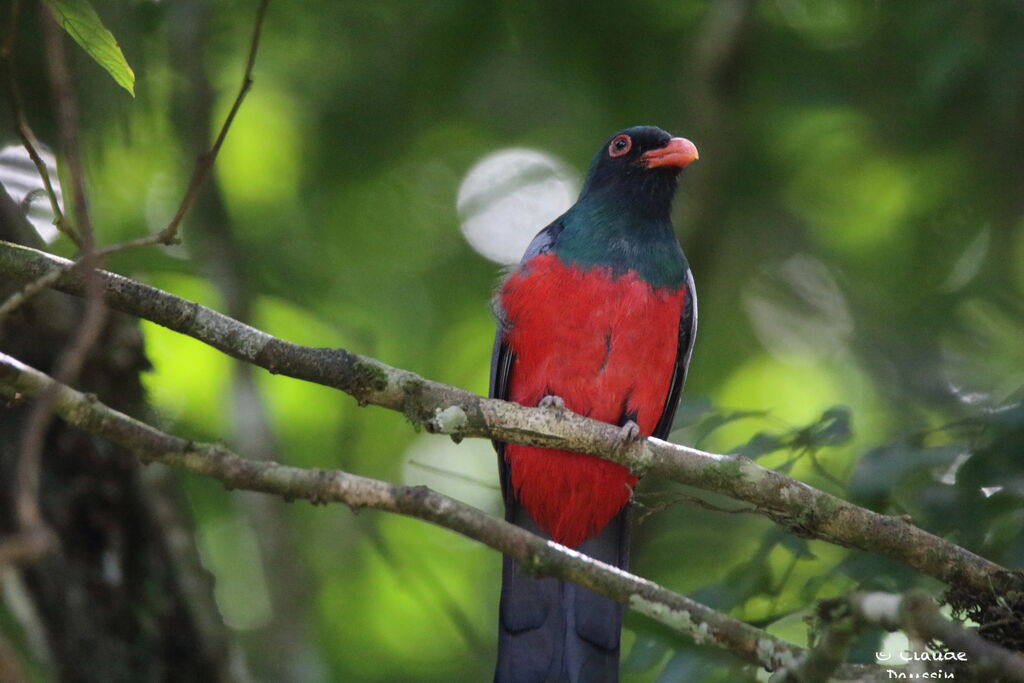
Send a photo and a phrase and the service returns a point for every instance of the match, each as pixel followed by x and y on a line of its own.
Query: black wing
pixel 687 333
pixel 502 357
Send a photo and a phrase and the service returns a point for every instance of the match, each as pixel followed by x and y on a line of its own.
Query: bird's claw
pixel 629 434
pixel 552 402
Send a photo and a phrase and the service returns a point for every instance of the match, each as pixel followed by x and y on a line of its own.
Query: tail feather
pixel 551 631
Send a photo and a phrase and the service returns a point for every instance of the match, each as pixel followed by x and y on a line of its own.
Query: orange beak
pixel 678 152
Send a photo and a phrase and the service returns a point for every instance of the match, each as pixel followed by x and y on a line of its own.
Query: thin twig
pixel 69 365
pixel 673 499
pixel 23 130
pixel 168 234
pixel 14 301
pixel 66 106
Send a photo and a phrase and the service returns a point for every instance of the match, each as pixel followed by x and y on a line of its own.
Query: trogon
pixel 598 318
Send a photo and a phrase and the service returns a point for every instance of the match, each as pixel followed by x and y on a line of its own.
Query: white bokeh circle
pixel 509 196
pixel 20 178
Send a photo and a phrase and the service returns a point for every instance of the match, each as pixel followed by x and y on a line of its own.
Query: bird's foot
pixel 629 434
pixel 552 402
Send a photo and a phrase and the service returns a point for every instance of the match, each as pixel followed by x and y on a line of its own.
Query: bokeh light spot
pixel 509 196
pixel 259 163
pixel 853 197
pixel 21 180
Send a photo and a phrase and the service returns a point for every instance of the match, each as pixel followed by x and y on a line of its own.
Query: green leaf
pixel 81 22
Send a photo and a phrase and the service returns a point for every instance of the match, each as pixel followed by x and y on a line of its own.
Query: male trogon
pixel 599 318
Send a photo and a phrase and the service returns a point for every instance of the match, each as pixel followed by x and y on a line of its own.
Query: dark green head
pixel 622 217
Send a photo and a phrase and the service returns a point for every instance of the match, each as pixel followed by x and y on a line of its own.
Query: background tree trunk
pixel 121 597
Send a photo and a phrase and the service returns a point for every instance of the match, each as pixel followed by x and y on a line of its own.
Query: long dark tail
pixel 550 631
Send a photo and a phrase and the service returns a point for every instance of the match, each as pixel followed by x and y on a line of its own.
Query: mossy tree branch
pixel 800 508
pixel 694 620
pixel 915 613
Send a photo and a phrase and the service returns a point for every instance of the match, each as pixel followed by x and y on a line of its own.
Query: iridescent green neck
pixel 608 231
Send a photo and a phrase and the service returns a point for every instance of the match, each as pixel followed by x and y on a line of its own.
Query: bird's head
pixel 640 164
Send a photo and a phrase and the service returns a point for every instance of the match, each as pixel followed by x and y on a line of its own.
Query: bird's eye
pixel 619 145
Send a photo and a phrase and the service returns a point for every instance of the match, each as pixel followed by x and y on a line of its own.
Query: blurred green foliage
pixel 854 225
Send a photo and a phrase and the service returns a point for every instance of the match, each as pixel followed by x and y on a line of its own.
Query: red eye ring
pixel 620 144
